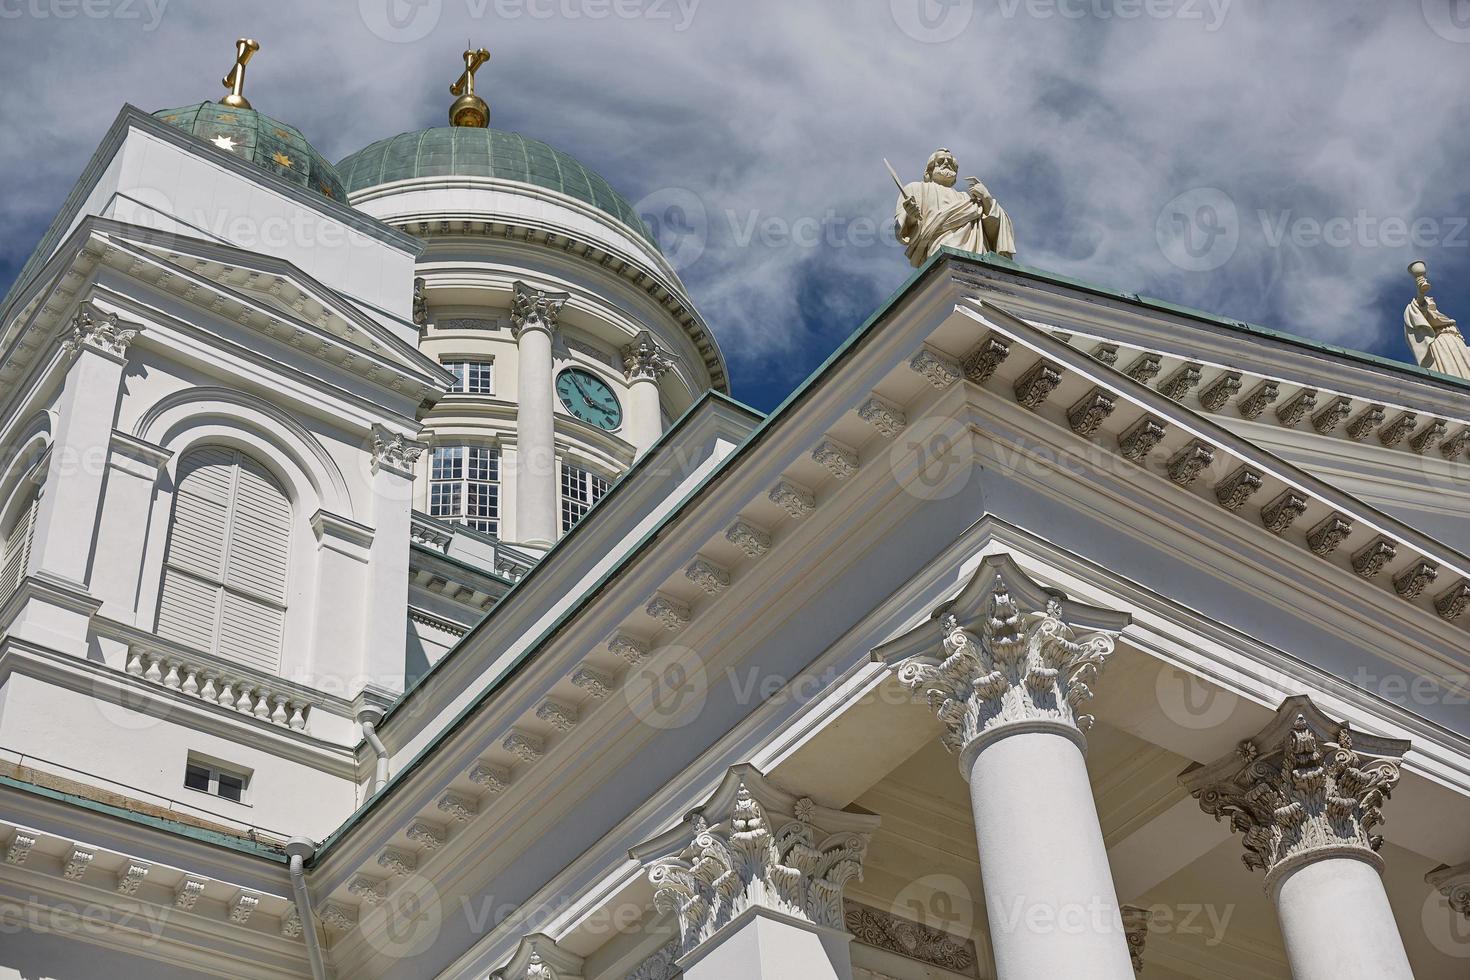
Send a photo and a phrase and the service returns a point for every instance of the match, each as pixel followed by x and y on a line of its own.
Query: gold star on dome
pixel 224 143
pixel 327 191
pixel 228 117
pixel 283 134
pixel 282 159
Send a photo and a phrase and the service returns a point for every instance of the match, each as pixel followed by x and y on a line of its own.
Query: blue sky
pixel 1276 162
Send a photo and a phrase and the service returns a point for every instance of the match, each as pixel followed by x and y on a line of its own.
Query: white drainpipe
pixel 298 849
pixel 368 719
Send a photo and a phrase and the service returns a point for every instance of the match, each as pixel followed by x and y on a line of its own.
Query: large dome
pixel 266 142
pixel 465 151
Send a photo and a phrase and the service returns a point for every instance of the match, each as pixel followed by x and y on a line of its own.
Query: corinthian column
pixel 533 316
pixel 1305 795
pixel 754 878
pixel 645 362
pixel 1006 678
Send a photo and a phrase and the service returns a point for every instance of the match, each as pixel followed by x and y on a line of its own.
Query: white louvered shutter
pixel 18 548
pixel 224 587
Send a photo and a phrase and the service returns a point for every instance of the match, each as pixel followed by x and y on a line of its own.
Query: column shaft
pixel 645 420
pixel 534 313
pixel 1338 925
pixel 1048 890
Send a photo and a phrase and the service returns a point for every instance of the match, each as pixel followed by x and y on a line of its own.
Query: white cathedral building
pixel 392 589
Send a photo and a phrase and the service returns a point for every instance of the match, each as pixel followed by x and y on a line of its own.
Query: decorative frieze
pixel 1021 667
pixel 291 923
pixel 661 965
pixel 840 461
pixel 130 877
pixel 535 309
pixel 1297 407
pixel 888 419
pixel 524 746
pixel 793 499
pixel 1412 582
pixel 1304 789
pixel 1455 446
pixel 981 363
pixel 1333 414
pixel 562 717
pixel 1328 534
pixel 1452 602
pixel 1262 396
pixel 1033 387
pixel 1139 440
pixel 748 538
pixel 754 845
pixel 187 893
pixel 711 578
pixel 538 957
pixel 1136 921
pixel 597 684
pixel 1370 560
pixel 1397 430
pixel 457 807
pixel 77 864
pixel 1184 379
pixel 1146 367
pixel 1219 392
pixel 95 329
pixel 337 917
pixel 1091 411
pixel 631 650
pixel 672 614
pixel 492 779
pixel 367 889
pixel 1429 436
pixel 1366 422
pixel 940 370
pixel 429 836
pixel 1106 353
pixel 1236 490
pixel 915 940
pixel 1187 464
pixel 1281 513
pixel 19 849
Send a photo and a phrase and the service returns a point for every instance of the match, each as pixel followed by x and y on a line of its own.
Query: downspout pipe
pixel 368 719
pixel 299 850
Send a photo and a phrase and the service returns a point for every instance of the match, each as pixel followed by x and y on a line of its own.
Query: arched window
pixel 224 579
pixel 18 532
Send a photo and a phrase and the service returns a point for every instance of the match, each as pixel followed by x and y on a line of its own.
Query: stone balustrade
pixel 232 689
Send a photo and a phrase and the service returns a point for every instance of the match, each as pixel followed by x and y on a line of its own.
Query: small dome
pixel 266 142
pixel 466 151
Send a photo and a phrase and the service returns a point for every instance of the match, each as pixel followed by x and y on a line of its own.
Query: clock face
pixel 589 398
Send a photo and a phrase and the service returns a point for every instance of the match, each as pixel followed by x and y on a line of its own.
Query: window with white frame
pixel 464 486
pixel 471 377
pixel 228 555
pixel 16 554
pixel 208 776
pixel 580 489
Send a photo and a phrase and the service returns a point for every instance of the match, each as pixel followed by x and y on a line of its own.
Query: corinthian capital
pixel 96 329
pixel 535 309
pixel 644 358
pixel 1304 789
pixel 1001 657
pixel 755 846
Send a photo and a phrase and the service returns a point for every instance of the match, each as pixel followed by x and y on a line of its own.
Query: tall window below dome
pixel 580 489
pixel 225 570
pixel 464 486
pixel 17 545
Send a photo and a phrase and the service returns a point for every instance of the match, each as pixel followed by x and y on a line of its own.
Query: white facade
pixel 990 655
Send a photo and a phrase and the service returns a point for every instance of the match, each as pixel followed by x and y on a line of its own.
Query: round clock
pixel 589 398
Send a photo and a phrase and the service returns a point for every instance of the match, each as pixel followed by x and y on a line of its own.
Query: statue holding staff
pixel 931 213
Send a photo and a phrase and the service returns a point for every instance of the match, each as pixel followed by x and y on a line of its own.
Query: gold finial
pixel 469 109
pixel 235 80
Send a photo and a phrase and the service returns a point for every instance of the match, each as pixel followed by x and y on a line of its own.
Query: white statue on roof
pixel 931 213
pixel 1435 338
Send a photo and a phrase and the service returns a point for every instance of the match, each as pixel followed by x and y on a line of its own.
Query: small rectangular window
pixel 472 377
pixel 580 489
pixel 216 779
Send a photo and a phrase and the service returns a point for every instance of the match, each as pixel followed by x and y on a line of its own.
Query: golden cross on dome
pixel 245 48
pixel 469 109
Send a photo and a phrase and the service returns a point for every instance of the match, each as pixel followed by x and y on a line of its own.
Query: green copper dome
pixel 465 151
pixel 265 142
